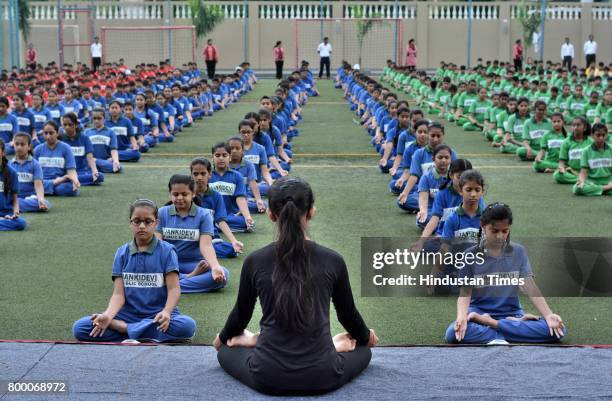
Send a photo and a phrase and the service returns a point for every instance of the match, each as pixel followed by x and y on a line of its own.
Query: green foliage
pixel 24 18
pixel 530 21
pixel 365 23
pixel 205 17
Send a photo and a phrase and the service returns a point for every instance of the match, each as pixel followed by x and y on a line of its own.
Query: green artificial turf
pixel 58 270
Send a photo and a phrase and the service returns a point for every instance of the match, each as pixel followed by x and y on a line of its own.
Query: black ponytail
pixel 6 174
pixel 456 166
pixel 290 200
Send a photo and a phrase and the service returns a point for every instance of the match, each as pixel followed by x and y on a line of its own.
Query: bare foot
pixel 246 339
pixel 484 319
pixel 201 268
pixel 526 316
pixel 549 170
pixel 118 325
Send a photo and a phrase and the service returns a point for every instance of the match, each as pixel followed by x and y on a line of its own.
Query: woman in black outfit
pixel 294 278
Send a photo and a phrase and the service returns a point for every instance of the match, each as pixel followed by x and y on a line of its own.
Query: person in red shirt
pixel 279 59
pixel 211 56
pixel 31 57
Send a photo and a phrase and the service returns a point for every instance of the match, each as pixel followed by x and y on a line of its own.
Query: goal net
pixel 150 44
pixel 368 41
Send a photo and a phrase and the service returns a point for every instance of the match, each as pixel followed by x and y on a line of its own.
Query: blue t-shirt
pixel 73 106
pixel 81 146
pixel 103 141
pixel 98 102
pixel 137 126
pixel 41 116
pixel 461 230
pixel 231 186
pixel 143 276
pixel 213 201
pixel 498 301
pixel 25 120
pixel 54 162
pixel 247 170
pixel 430 183
pixel 258 156
pixel 184 232
pixel 408 153
pixel 266 142
pixel 405 138
pixel 6 197
pixel 149 119
pixel 9 127
pixel 445 203
pixel 56 111
pixel 27 172
pixel 123 129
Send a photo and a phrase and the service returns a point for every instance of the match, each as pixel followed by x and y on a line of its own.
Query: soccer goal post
pixel 150 44
pixel 367 41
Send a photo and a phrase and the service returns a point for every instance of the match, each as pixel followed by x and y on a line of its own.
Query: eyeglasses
pixel 146 222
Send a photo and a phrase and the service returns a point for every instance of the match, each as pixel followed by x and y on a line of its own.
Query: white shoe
pixel 130 341
pixel 498 341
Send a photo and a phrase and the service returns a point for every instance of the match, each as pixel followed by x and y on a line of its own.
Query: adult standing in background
pixel 31 57
pixel 411 54
pixel 567 54
pixel 590 51
pixel 279 59
pixel 517 55
pixel 211 56
pixel 96 54
pixel 325 51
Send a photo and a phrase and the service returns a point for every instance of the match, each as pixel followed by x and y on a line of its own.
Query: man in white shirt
pixel 324 50
pixel 96 53
pixel 590 51
pixel 567 54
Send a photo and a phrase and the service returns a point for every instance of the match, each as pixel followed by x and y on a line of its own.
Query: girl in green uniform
pixel 514 129
pixel 595 177
pixel 571 150
pixel 547 159
pixel 478 112
pixel 533 131
pixel 502 122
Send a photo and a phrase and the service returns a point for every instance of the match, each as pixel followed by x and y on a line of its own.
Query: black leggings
pixel 235 361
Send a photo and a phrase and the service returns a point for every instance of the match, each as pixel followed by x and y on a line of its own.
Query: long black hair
pixel 494 212
pixel 6 174
pixel 456 166
pixel 185 179
pixel 290 199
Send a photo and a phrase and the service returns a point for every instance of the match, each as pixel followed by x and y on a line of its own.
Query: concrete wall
pixel 440 30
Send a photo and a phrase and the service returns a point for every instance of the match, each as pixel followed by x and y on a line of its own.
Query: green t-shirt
pixel 576 106
pixel 494 112
pixel 480 109
pixel 502 120
pixel 465 101
pixel 442 97
pixel 605 113
pixel 562 103
pixel 544 96
pixel 571 151
pixel 598 162
pixel 551 143
pixel 533 131
pixel 591 111
pixel 515 126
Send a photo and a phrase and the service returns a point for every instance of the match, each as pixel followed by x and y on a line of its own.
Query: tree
pixel 530 20
pixel 364 26
pixel 205 17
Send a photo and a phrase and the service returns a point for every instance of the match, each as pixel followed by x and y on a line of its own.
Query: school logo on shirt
pixel 25 177
pixel 447 212
pixel 518 128
pixel 69 110
pixel 120 131
pixel 100 140
pixel 575 154
pixel 51 162
pixel 591 113
pixel 6 127
pixel 577 106
pixel 252 158
pixel 224 188
pixel 23 121
pixel 145 121
pixel 554 143
pixel 480 110
pixel 40 118
pixel 78 150
pixel 55 113
pixel 143 280
pixel 468 234
pixel 468 102
pixel 180 234
pixel 600 163
pixel 536 133
pixel 425 167
pixel 433 192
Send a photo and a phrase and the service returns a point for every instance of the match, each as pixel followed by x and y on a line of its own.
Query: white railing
pixel 294 11
pixel 403 11
pixel 230 10
pixel 461 12
pixel 553 12
pixel 602 13
pixel 123 11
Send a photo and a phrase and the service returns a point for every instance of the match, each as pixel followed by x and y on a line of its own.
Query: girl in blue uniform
pixel 56 110
pixel 82 149
pixel 230 184
pixel 137 127
pixel 70 104
pixel 146 289
pixel 399 179
pixel 9 200
pixel 247 170
pixel 41 116
pixel 281 145
pixel 493 314
pixel 213 201
pixel 104 143
pixel 9 126
pixel 149 119
pixel 58 164
pixel 25 118
pixel 256 154
pixel 190 229
pixel 30 175
pixel 422 161
pixel 405 138
pixel 166 119
pixel 430 184
pixel 127 146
